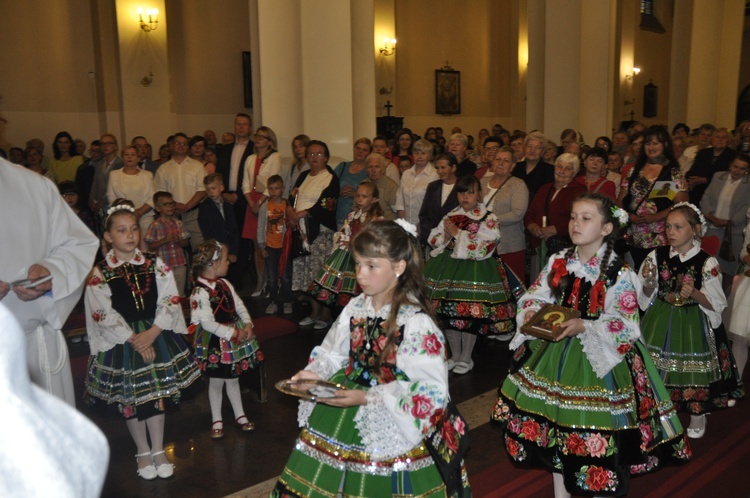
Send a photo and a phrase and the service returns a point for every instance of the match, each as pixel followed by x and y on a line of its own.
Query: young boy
pixel 217 221
pixel 271 229
pixel 167 237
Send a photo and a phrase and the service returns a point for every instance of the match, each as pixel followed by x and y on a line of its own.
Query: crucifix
pixel 388 106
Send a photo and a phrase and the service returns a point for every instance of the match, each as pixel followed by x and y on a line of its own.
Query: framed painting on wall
pixel 247 79
pixel 447 91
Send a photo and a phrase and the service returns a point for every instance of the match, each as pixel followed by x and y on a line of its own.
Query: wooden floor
pixel 247 464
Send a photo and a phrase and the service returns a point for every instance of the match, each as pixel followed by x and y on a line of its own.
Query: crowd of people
pixel 639 234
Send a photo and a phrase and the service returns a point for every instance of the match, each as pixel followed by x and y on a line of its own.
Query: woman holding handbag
pixel 264 163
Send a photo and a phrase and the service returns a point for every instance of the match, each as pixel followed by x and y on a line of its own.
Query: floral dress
pixel 467 285
pixel 688 343
pixel 127 297
pixel 592 406
pixel 376 449
pixel 336 281
pixel 646 235
pixel 216 313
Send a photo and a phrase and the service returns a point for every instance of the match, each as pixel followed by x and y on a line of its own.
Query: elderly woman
pixel 259 167
pixel 533 170
pixel 441 197
pixel 350 175
pixel 414 183
pixel 724 205
pixel 458 145
pixel 387 188
pixel 507 197
pixel 315 193
pixel 134 184
pixel 656 166
pixel 549 212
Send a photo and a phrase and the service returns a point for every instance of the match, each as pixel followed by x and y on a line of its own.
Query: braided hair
pixel 605 207
pixel 206 255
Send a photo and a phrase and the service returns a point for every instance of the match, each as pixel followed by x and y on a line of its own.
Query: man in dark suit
pixel 708 161
pixel 144 154
pixel 217 221
pixel 231 165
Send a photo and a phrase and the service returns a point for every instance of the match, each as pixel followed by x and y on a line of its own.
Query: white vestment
pixel 48 448
pixel 40 228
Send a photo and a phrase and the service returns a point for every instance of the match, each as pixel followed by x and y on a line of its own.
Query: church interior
pixel 338 70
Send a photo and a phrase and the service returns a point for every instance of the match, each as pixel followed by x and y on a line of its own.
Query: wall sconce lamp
pixel 631 77
pixel 153 19
pixel 386 50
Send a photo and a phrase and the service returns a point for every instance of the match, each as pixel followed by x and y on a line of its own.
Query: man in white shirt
pixel 182 177
pixel 231 165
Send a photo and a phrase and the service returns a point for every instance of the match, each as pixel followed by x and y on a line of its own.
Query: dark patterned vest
pixel 222 302
pixel 579 293
pixel 134 293
pixel 366 346
pixel 670 269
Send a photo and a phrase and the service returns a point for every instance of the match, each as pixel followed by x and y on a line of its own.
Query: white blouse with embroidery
pixel 608 338
pixel 711 287
pixel 476 241
pixel 106 327
pixel 397 414
pixel 202 313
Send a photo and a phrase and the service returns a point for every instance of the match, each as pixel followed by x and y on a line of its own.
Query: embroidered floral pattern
pixel 593 478
pixel 421 401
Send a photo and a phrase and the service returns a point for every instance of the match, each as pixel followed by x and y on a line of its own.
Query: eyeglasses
pixel 108 143
pixel 494 148
pixel 316 154
pixel 258 135
pixel 70 194
pixel 180 143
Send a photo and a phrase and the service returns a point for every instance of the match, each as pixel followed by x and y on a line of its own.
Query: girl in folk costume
pixel 336 282
pixel 385 348
pixel 138 362
pixel 738 310
pixel 467 285
pixel 682 326
pixel 590 407
pixel 225 347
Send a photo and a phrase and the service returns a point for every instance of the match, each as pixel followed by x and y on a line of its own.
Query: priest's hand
pixel 31 293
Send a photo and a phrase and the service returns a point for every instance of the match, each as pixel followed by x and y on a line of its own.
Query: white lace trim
pixel 323 368
pixel 602 359
pixel 361 307
pixel 379 432
pixel 304 411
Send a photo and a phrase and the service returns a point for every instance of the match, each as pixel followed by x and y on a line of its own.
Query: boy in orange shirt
pixel 271 229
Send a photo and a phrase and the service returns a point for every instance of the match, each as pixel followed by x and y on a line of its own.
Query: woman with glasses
pixel 261 165
pixel 351 174
pixel 314 198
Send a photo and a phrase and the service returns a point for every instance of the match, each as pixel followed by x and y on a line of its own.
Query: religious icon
pixel 447 91
pixel 545 324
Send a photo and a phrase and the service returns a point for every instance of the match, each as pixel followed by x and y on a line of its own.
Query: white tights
pixel 739 351
pixel 142 430
pixel 215 397
pixel 462 344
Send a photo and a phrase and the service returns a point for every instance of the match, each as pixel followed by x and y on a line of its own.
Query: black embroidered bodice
pixel 134 293
pixel 669 269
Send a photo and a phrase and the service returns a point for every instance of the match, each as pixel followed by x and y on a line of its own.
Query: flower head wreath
pixel 120 207
pixel 408 227
pixel 620 215
pixel 217 252
pixel 692 206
